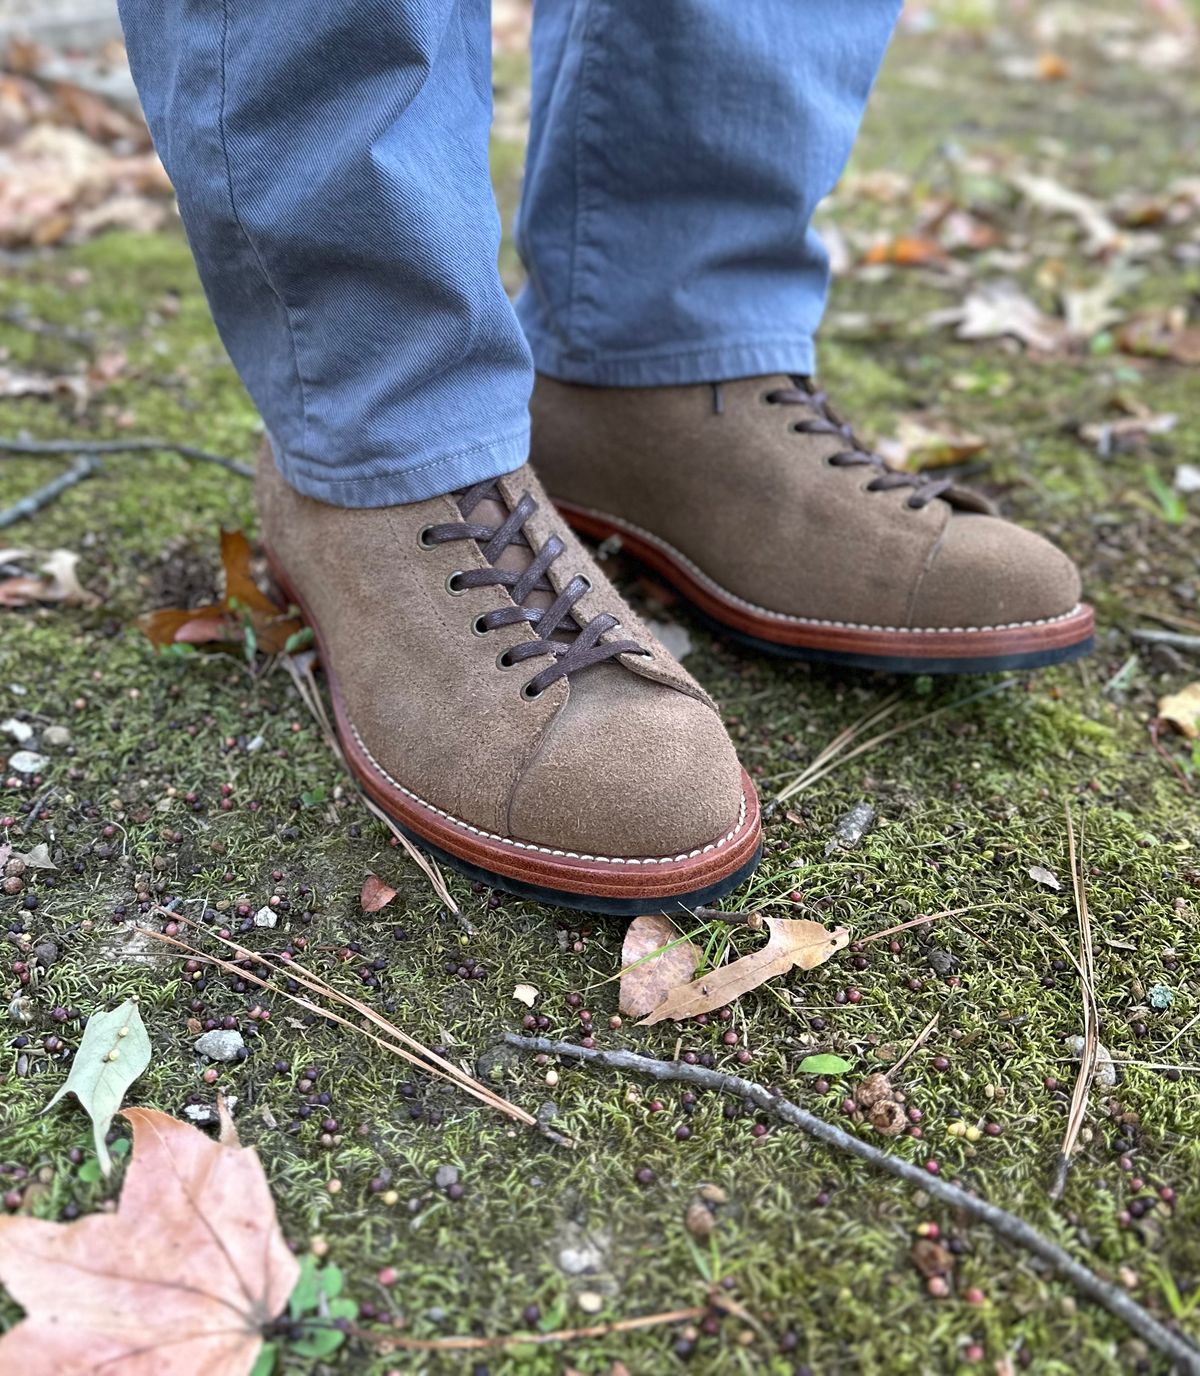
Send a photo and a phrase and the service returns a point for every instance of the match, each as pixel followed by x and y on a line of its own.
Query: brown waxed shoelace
pixel 585 646
pixel 826 421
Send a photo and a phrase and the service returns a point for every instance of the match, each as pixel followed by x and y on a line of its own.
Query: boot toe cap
pixel 988 572
pixel 629 769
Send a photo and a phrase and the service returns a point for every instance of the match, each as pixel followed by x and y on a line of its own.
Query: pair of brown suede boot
pixel 498 698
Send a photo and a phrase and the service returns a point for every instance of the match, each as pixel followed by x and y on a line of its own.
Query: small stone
pixel 576 1260
pixel 851 828
pixel 56 737
pixel 1106 1071
pixel 220 1045
pixel 589 1301
pixel 27 762
pixel 266 917
pixel 445 1176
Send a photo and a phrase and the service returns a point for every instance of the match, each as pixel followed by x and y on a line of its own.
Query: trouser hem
pixel 713 363
pixel 432 477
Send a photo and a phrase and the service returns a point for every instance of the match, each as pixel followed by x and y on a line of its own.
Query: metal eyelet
pixel 503 661
pixel 479 626
pixel 529 693
pixel 452 586
pixel 423 540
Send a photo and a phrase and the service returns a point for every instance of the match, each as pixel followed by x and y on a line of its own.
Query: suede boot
pixel 497 698
pixel 756 502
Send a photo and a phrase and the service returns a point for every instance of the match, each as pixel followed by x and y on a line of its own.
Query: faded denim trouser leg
pixel 331 165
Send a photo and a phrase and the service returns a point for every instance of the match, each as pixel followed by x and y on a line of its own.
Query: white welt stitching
pixel 546 850
pixel 714 586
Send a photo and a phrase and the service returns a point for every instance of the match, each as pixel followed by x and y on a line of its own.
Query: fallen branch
pixel 131 446
pixel 1176 639
pixel 83 467
pixel 753 920
pixel 1006 1224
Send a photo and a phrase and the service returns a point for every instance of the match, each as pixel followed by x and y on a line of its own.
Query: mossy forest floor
pixel 816 1248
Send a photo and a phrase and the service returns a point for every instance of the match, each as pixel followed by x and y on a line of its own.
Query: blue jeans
pixel 331 163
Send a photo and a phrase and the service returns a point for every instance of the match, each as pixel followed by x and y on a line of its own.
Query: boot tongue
pixel 491 511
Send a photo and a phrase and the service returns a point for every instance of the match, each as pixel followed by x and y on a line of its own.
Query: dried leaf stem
pixel 563 1335
pixel 1015 1230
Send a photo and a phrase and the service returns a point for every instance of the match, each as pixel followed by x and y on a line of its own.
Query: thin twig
pixel 1091 1017
pixel 1164 754
pixel 929 917
pixel 753 920
pixel 300 668
pixel 564 1335
pixel 130 446
pixel 426 1060
pixel 1006 1224
pixel 918 1042
pixel 812 774
pixel 83 467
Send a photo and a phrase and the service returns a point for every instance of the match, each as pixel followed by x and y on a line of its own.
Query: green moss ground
pixel 965 808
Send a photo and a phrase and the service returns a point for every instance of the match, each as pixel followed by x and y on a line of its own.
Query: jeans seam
pixel 253 247
pixel 582 205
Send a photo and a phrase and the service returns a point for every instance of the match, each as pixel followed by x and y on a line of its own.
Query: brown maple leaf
pixel 181 1279
pixel 244 605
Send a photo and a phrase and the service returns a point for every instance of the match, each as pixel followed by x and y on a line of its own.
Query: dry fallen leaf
pixel 56 581
pixel 1041 875
pixel 244 606
pixel 1182 710
pixel 1056 199
pixel 1162 335
pixel 525 993
pixel 906 251
pixel 181 1279
pixel 645 983
pixel 375 894
pixel 793 943
pixel 994 309
pixel 921 442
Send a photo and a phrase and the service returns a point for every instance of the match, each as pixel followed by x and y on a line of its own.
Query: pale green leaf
pixel 265 1365
pixel 113 1053
pixel 827 1064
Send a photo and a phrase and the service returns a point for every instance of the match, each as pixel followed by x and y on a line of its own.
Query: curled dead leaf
pixel 931 1258
pixel 375 894
pixel 1182 710
pixel 647 979
pixel 793 943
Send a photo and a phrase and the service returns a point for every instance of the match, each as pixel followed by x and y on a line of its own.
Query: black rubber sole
pixel 892 664
pixel 586 903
